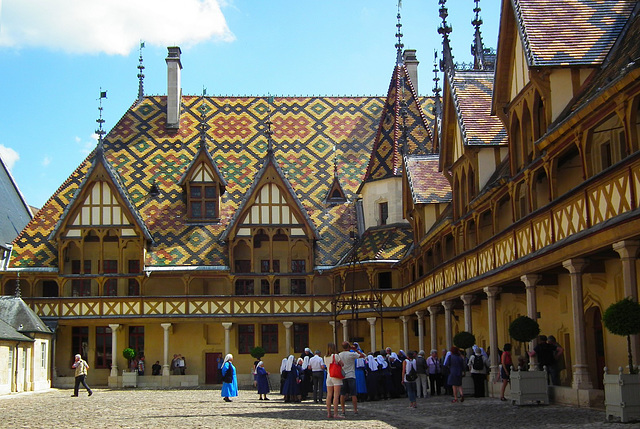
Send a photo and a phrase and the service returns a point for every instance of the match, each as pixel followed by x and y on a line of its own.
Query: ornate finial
pixel 477 22
pixel 18 291
pixel 477 48
pixel 399 44
pixel 268 132
pixel 140 75
pixel 444 28
pixel 100 132
pixel 335 162
pixel 202 126
pixel 436 77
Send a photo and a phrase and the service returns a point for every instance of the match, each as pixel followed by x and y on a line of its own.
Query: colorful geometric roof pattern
pixel 402 108
pixel 570 32
pixel 428 185
pixel 141 150
pixel 384 243
pixel 472 92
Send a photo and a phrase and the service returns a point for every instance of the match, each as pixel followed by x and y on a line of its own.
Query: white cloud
pixel 112 27
pixel 46 161
pixel 9 156
pixel 86 146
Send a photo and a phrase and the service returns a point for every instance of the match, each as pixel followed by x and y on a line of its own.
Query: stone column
pixel 581 378
pixel 468 323
pixel 628 250
pixel 448 305
pixel 433 314
pixel 227 337
pixel 114 349
pixel 166 370
pixel 345 331
pixel 287 336
pixel 420 316
pixel 530 281
pixel 492 295
pixel 405 332
pixel 372 332
pixel 334 333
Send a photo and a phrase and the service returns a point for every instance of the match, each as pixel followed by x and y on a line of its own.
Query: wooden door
pixel 212 368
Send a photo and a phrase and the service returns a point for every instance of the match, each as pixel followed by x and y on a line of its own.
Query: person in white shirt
pixel 317 375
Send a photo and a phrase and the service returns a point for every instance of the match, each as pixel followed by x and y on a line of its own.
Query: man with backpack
pixel 478 364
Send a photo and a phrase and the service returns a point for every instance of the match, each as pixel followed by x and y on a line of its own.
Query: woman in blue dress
pixel 262 379
pixel 361 381
pixel 456 365
pixel 229 379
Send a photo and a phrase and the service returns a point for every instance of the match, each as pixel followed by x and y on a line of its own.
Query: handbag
pixel 228 376
pixel 335 370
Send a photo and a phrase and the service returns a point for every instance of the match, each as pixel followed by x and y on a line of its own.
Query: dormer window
pixel 203 201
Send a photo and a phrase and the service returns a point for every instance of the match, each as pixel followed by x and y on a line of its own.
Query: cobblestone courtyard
pixel 204 408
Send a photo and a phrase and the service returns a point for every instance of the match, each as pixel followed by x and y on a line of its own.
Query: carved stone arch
pixel 591 300
pixel 515 143
pixel 569 165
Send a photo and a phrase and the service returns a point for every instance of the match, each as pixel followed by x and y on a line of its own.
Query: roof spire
pixel 477 48
pixel 446 64
pixel 399 44
pixel 140 75
pixel 18 291
pixel 202 126
pixel 269 133
pixel 100 132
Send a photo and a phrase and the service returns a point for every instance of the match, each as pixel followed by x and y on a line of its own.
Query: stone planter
pixel 529 386
pixel 622 395
pixel 129 378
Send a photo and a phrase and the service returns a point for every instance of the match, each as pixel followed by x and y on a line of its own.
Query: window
pixel 80 287
pixel 276 287
pixel 103 347
pixel 384 280
pixel 133 286
pixel 270 338
pixel 80 341
pixel 276 266
pixel 383 212
pixel 298 286
pixel 111 285
pixel 136 339
pixel 203 201
pixel 246 338
pixel 244 287
pixel 300 337
pixel 49 288
pixel 264 287
pixel 298 266
pixel 43 355
pixel 243 266
pixel 10 360
pixel 264 266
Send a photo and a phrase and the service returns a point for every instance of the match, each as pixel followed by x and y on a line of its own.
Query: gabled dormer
pixel 203 186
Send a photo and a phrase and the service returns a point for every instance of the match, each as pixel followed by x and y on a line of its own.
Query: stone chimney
pixel 174 91
pixel 411 62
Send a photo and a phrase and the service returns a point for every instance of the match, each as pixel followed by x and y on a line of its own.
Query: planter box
pixel 622 395
pixel 129 378
pixel 529 386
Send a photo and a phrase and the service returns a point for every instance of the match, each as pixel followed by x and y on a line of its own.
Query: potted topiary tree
pixel 465 340
pixel 257 352
pixel 620 391
pixel 527 386
pixel 129 378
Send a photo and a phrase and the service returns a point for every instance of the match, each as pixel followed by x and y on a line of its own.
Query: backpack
pixel 228 376
pixel 412 375
pixel 478 363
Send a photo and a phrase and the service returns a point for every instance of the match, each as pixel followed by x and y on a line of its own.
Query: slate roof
pixel 428 185
pixel 472 94
pixel 141 150
pixel 8 333
pixel 15 213
pixel 570 32
pixel 383 243
pixel 17 313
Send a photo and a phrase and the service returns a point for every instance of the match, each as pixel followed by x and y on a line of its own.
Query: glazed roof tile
pixel 570 32
pixel 141 150
pixel 384 243
pixel 428 185
pixel 472 93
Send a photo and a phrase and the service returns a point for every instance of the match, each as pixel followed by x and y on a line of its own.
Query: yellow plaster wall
pixel 520 70
pixel 386 190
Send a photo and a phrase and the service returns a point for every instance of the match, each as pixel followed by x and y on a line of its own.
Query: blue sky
pixel 56 55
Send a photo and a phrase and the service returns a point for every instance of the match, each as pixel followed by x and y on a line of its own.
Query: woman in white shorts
pixel 333 384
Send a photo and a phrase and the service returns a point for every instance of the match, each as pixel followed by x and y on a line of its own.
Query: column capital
pixel 530 280
pixel 575 265
pixel 448 305
pixel 287 325
pixel 433 310
pixel 404 319
pixel 491 291
pixel 420 314
pixel 114 326
pixel 371 320
pixel 344 322
pixel 165 326
pixel 332 323
pixel 227 325
pixel 467 299
pixel 627 248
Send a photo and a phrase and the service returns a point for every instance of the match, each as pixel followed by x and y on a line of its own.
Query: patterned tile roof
pixel 386 158
pixel 140 150
pixel 472 93
pixel 570 32
pixel 428 184
pixel 384 243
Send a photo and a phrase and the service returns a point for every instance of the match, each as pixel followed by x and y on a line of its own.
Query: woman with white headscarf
pixel 283 374
pixel 229 379
pixel 385 386
pixel 262 379
pixel 291 389
pixel 373 377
